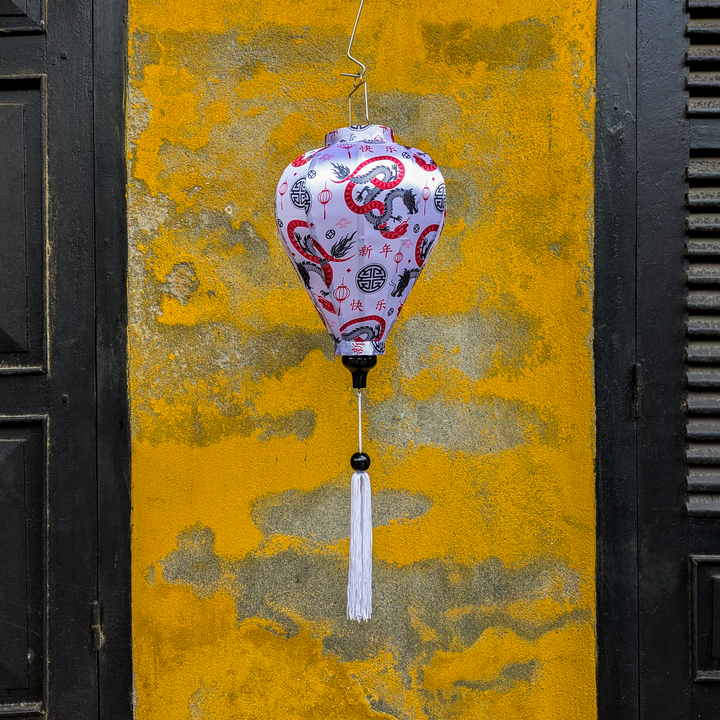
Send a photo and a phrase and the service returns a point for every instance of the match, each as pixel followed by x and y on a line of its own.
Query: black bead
pixel 360 461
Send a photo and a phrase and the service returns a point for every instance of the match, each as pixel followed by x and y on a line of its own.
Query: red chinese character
pixel 356 305
pixel 365 251
pixel 380 305
pixel 386 250
pixel 365 148
pixel 390 149
pixel 357 347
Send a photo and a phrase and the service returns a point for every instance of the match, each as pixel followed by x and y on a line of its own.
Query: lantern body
pixel 358 220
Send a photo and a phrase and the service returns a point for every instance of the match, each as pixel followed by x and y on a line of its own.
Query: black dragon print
pixel 403 280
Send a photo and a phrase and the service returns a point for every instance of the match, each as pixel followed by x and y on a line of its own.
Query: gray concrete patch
pixel 323 515
pixel 480 426
pixel 510 676
pixel 418 610
pixel 301 424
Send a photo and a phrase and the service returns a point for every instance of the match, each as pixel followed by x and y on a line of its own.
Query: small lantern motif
pixel 341 293
pixel 425 197
pixel 324 197
pixel 351 252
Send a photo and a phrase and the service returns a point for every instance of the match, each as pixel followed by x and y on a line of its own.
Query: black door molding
pixel 113 425
pixel 617 401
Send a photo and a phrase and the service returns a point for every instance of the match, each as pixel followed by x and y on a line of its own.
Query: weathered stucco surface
pixel 480 417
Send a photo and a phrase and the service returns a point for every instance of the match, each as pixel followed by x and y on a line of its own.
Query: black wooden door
pixel 64 590
pixel 658 353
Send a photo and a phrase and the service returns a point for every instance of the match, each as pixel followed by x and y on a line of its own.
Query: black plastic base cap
pixel 359 366
pixel 360 462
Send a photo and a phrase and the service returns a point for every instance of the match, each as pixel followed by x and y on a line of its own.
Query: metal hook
pixel 358 76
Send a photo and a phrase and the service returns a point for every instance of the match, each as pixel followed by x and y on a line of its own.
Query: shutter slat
pixel 703 197
pixel 703 4
pixel 704 222
pixel 703 169
pixel 709 247
pixel 704 479
pixel 704 106
pixel 703 273
pixel 702 377
pixel 703 53
pixel 703 325
pixel 706 454
pixel 703 429
pixel 702 27
pixel 704 352
pixel 705 79
pixel 708 505
pixel 703 403
pixel 703 300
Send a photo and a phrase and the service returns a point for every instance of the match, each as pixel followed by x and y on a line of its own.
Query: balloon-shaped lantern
pixel 358 219
pixel 355 228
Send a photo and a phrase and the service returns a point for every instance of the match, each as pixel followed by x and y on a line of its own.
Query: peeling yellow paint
pixel 480 416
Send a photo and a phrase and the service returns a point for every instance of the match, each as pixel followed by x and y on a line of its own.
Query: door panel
pixel 13 567
pixel 22 271
pixel 22 15
pixel 13 290
pixel 22 499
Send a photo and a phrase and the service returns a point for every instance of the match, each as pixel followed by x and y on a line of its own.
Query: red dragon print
pixel 366 202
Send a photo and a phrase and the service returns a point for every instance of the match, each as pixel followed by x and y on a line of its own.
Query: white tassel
pixel 359 592
pixel 359 596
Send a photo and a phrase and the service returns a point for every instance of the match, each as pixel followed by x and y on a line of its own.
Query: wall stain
pixel 322 515
pixel 181 282
pixel 510 676
pixel 300 423
pixel 482 425
pixel 419 610
pixel 527 44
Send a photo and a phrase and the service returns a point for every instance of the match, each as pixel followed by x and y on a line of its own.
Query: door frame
pixel 618 380
pixel 110 50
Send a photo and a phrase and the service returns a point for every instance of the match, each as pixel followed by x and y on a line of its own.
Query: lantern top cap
pixel 360 133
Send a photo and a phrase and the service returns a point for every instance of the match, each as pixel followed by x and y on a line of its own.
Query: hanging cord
pixel 359 591
pixel 358 77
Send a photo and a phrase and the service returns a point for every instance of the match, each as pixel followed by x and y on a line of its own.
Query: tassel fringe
pixel 359 592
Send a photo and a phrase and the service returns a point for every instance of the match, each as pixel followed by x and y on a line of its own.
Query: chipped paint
pixel 479 419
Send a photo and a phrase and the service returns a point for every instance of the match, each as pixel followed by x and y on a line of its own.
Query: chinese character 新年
pixel 386 250
pixel 365 251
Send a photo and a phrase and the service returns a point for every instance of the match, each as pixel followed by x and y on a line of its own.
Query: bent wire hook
pixel 358 77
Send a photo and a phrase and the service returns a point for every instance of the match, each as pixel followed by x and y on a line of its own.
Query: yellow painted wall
pixel 480 417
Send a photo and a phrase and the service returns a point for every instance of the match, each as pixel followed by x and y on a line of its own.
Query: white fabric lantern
pixel 359 219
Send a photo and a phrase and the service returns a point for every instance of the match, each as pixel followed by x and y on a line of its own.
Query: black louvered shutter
pixel 678 353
